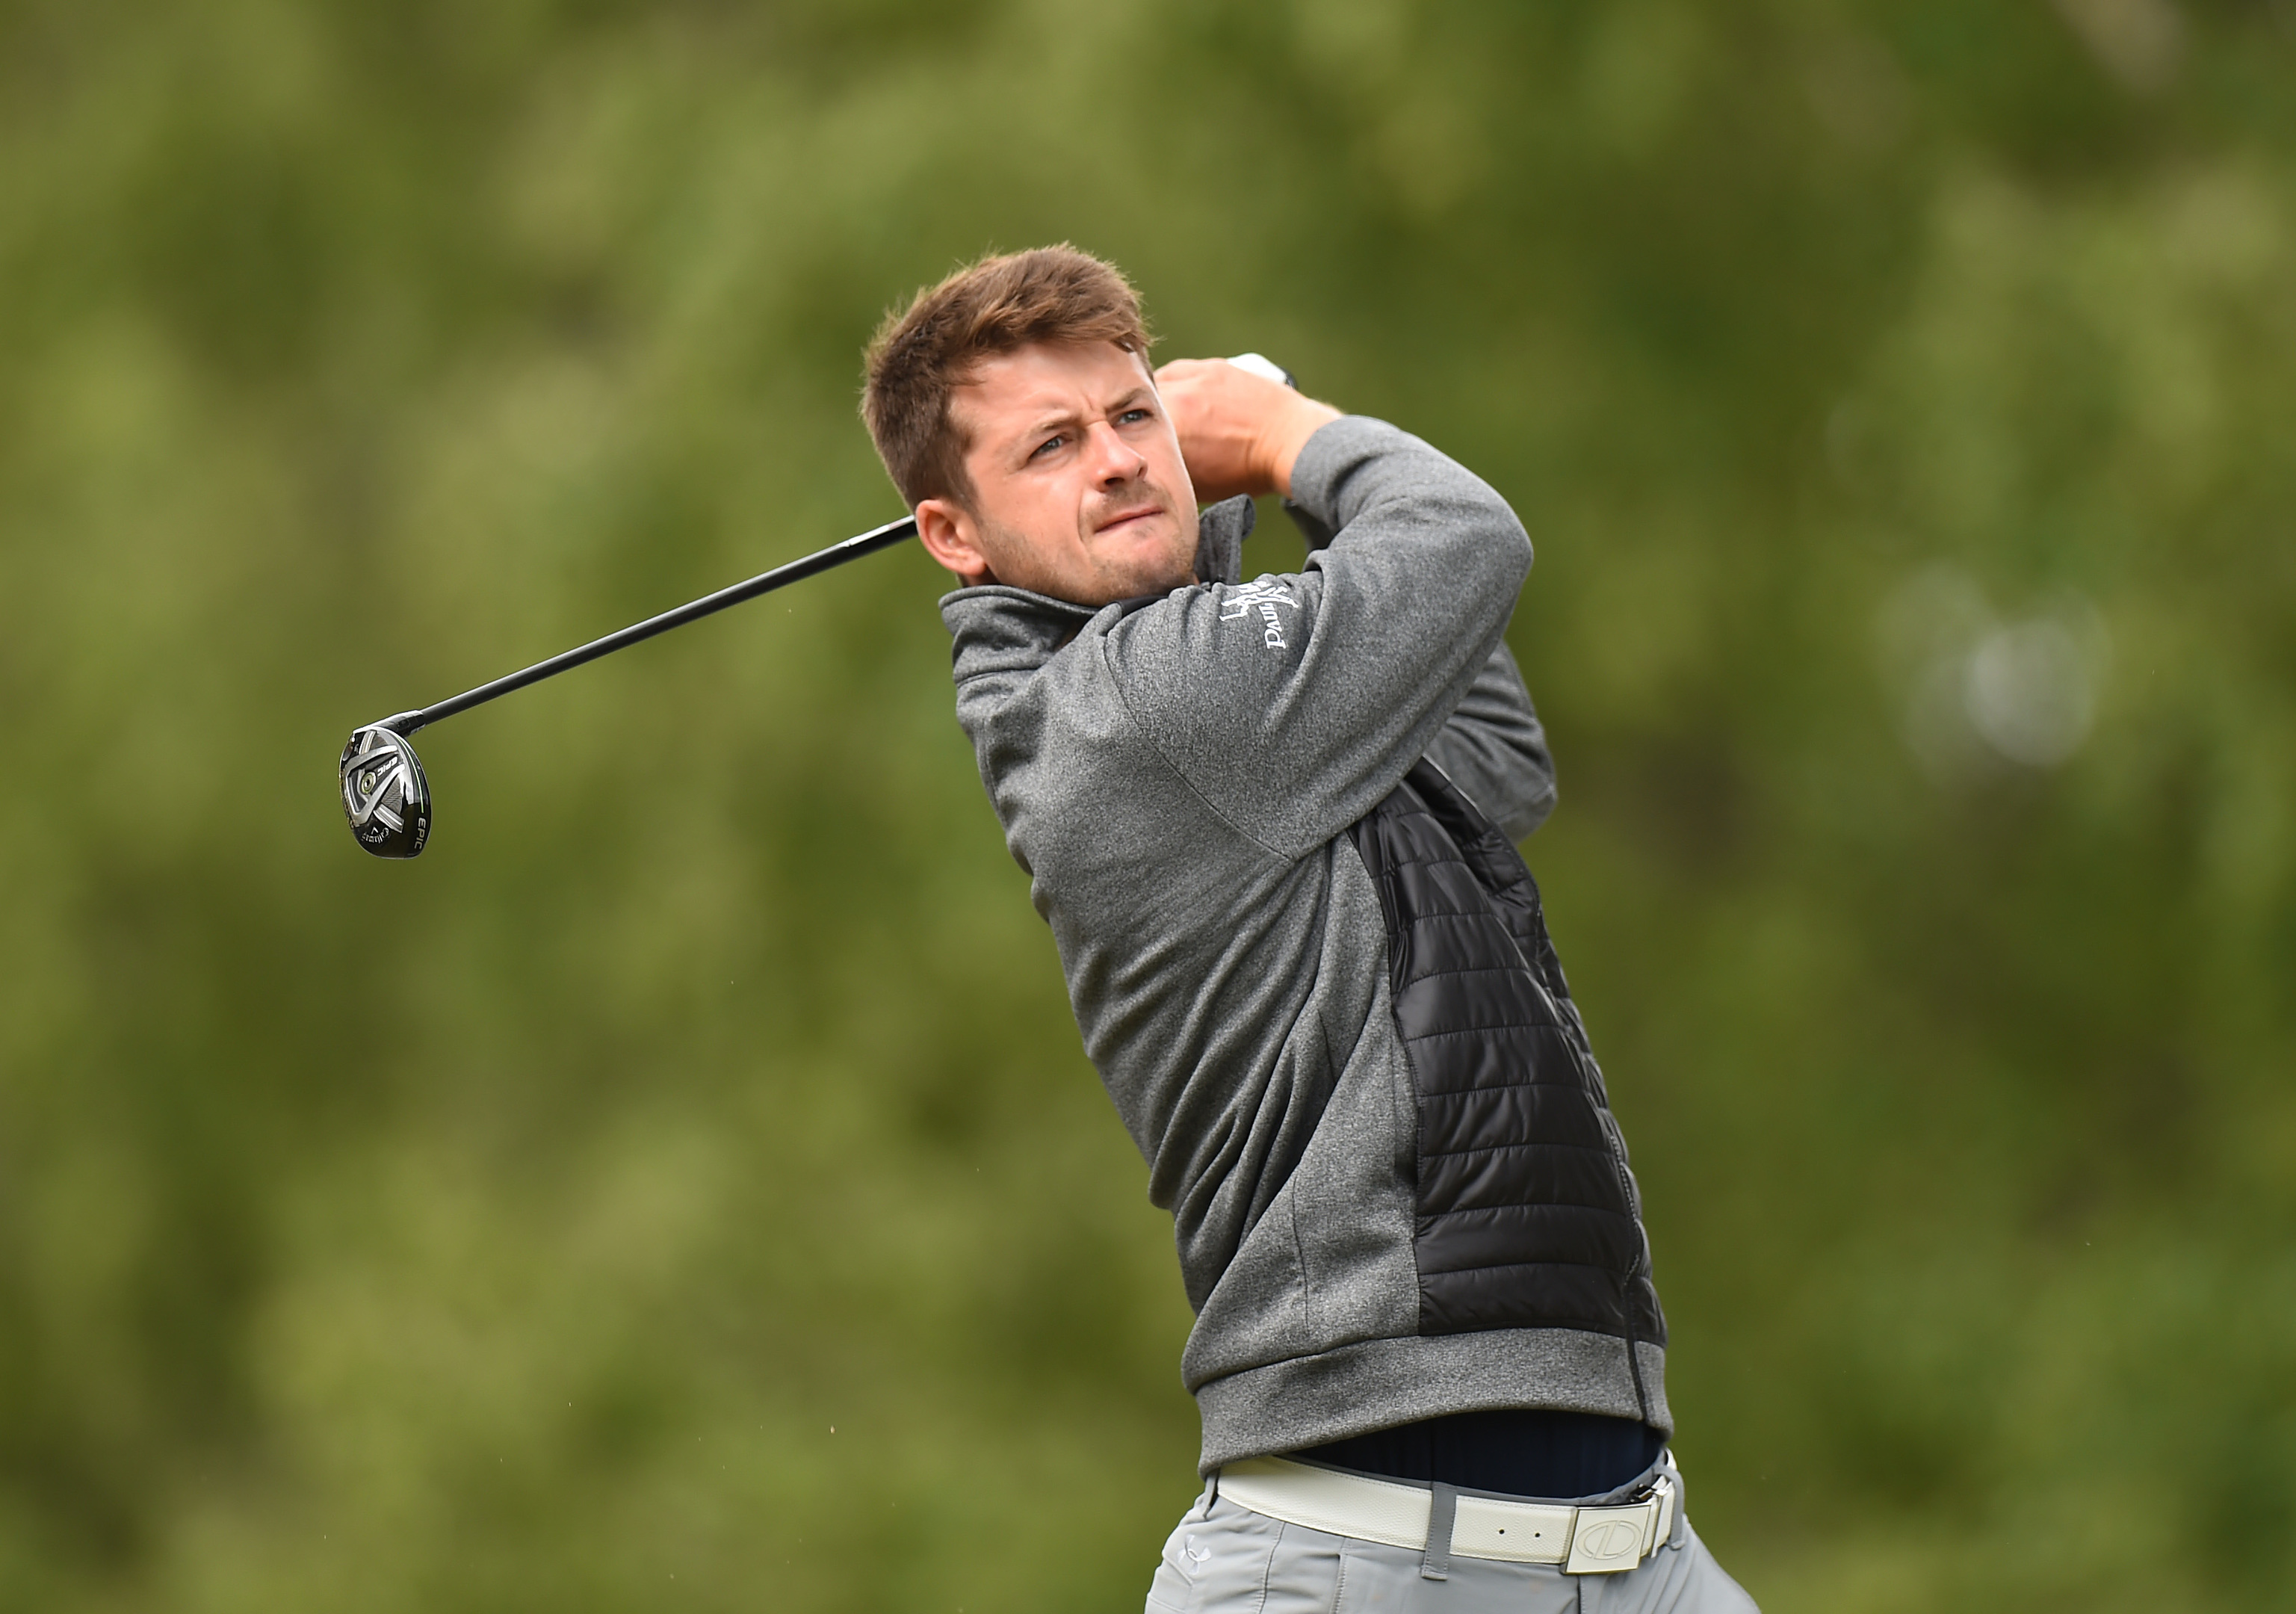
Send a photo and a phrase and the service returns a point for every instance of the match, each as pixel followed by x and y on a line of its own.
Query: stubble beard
pixel 1106 583
pixel 1173 568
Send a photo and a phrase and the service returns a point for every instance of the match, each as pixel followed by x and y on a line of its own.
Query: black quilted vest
pixel 1527 1216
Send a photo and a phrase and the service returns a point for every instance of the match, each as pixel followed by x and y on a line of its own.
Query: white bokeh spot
pixel 1980 689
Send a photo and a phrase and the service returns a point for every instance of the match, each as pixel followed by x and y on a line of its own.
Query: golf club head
pixel 385 796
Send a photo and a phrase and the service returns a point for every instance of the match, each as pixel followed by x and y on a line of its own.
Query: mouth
pixel 1127 520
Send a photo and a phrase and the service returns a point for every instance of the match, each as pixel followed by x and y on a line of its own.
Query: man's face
pixel 1079 490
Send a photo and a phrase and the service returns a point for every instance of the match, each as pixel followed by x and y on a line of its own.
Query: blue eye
pixel 1130 416
pixel 1050 442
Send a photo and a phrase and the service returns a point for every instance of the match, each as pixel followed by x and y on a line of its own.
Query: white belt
pixel 1583 1540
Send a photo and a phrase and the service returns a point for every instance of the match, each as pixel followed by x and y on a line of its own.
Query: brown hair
pixel 917 359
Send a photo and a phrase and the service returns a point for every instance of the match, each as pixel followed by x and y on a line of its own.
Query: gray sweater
pixel 1177 776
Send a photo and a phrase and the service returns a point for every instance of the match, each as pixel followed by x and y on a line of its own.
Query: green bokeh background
pixel 683 1189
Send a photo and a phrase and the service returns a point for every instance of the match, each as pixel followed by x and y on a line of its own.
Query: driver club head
pixel 385 796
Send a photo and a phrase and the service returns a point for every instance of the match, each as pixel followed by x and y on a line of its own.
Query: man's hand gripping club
pixel 1238 432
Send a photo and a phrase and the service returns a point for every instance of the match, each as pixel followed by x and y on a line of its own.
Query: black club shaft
pixel 796 571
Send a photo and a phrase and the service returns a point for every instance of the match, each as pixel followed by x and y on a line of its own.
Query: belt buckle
pixel 1609 1541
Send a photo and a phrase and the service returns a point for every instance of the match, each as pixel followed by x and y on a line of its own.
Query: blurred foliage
pixel 1899 393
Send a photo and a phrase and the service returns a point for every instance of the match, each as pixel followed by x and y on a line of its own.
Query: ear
pixel 953 537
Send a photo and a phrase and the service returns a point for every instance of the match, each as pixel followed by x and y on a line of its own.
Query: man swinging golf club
pixel 1271 825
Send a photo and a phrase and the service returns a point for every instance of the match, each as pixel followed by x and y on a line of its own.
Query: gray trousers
pixel 1225 1559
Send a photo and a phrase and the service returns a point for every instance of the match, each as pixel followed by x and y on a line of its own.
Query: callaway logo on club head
pixel 1261 598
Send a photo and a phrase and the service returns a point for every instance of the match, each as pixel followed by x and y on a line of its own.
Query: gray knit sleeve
pixel 1495 749
pixel 1293 704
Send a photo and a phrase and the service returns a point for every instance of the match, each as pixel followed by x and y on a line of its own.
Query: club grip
pixel 1261 366
pixel 1316 534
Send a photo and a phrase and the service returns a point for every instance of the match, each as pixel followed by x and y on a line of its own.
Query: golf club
pixel 386 795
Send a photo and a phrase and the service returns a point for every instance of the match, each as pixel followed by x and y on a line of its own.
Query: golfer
pixel 1272 826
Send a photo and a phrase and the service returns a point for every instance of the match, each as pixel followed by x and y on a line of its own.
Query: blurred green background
pixel 682 1188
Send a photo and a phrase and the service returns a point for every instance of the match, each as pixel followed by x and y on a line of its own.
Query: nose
pixel 1113 461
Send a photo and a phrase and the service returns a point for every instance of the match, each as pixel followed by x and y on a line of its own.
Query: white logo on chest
pixel 1259 599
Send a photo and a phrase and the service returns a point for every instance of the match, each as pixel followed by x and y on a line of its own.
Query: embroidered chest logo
pixel 1261 600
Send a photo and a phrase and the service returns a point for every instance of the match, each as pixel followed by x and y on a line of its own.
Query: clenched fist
pixel 1239 432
